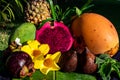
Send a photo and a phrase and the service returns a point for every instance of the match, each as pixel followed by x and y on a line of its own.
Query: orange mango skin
pixel 98 32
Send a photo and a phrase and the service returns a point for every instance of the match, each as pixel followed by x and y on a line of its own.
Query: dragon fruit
pixel 58 36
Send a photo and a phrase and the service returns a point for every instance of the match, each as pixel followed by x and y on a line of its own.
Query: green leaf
pixel 101 59
pixel 78 11
pixel 44 21
pixel 107 65
pixel 86 5
pixel 13 9
pixel 104 56
pixel 19 4
pixel 39 76
pixel 4 16
pixel 73 76
pixel 58 13
pixel 11 14
pixel 118 64
pixel 105 71
pixel 52 9
pixel 57 75
pixel 67 13
pixel 117 70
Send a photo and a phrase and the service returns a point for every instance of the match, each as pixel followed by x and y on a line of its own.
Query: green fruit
pixel 4 38
pixel 24 32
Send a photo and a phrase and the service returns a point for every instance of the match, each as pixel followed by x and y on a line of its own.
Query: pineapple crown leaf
pixel 52 9
pixel 57 12
pixel 61 16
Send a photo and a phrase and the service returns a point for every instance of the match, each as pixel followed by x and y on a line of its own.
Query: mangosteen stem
pixel 52 9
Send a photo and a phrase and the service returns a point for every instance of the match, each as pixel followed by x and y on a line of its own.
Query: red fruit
pixel 58 36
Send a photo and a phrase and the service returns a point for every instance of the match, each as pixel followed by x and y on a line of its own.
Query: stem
pixel 84 7
pixel 52 9
pixel 78 11
pixel 54 75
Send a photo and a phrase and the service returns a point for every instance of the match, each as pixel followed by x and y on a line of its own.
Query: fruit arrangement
pixel 55 44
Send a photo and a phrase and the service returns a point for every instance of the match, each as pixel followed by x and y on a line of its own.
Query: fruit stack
pixel 45 43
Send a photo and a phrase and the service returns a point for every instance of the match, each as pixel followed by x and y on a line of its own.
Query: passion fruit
pixel 99 34
pixel 19 64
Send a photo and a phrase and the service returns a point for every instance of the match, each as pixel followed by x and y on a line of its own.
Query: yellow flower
pixel 43 61
pixel 36 50
pixel 49 63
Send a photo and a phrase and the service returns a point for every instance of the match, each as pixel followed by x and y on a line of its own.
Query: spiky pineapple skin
pixel 37 11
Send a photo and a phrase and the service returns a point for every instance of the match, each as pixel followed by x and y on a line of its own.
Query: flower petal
pixel 38 64
pixel 33 44
pixel 27 49
pixel 55 67
pixel 45 70
pixel 48 56
pixel 44 48
pixel 52 67
pixel 39 57
pixel 56 56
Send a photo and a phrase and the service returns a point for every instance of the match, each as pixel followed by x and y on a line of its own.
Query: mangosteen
pixel 68 61
pixel 86 62
pixel 19 64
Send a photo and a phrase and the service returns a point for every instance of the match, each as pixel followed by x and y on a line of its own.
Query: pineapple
pixel 37 11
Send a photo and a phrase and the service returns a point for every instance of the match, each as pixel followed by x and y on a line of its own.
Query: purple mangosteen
pixel 19 64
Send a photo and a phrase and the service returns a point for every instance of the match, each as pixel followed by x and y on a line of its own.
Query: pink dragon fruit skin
pixel 58 36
